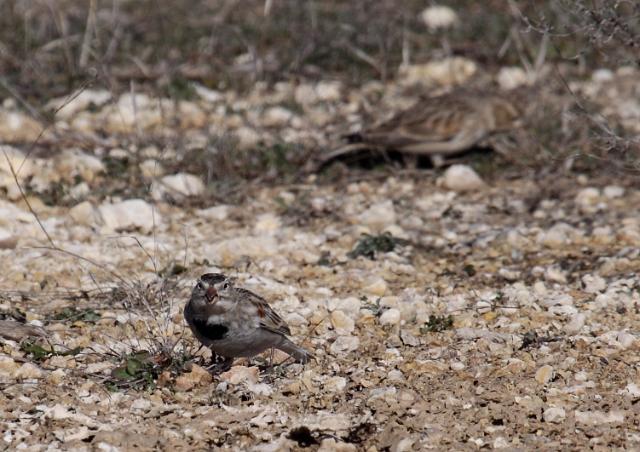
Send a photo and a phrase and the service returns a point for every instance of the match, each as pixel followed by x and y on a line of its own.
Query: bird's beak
pixel 211 294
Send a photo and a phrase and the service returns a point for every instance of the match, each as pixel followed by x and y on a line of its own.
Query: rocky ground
pixel 446 309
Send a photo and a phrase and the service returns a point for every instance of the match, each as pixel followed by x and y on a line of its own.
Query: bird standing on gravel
pixel 235 322
pixel 436 127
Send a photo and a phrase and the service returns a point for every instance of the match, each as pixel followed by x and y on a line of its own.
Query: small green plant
pixel 71 314
pixel 137 370
pixel 437 323
pixel 40 353
pixel 370 245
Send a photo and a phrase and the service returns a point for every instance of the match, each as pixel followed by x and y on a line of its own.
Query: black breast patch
pixel 210 331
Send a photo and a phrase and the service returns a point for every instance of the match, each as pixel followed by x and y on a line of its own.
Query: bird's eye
pixel 225 286
pixel 200 285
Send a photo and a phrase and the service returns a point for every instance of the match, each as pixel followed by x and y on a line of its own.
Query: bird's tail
pixel 298 353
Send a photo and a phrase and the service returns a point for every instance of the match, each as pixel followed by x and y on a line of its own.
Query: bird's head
pixel 210 287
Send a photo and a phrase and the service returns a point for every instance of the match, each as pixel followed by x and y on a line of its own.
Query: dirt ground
pixel 491 305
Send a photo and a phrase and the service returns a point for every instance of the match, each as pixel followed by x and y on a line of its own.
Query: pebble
pixel 344 344
pixel 462 178
pixel 241 374
pixel 595 418
pixel 593 283
pixel 198 376
pixel 545 374
pixel 554 415
pixel 380 215
pixel 215 213
pixel 177 186
pixel 390 317
pixel 129 215
pixel 342 323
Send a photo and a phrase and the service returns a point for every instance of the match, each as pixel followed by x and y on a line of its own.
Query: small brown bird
pixel 436 127
pixel 235 322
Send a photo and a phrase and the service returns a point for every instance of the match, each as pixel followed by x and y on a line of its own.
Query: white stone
pixel 344 344
pixel 594 283
pixel 390 317
pixel 177 185
pixel 599 417
pixel 228 252
pixel 512 77
pixel 444 72
pixel 631 390
pixel 215 213
pixel 8 240
pixel 576 324
pixel 73 162
pixel 342 323
pixel 129 215
pixel 335 384
pixel 545 374
pixel 267 223
pixel 241 374
pixel 557 236
pixel 462 178
pixel 437 17
pixel 28 371
pixel 613 191
pixel 555 274
pixel 84 214
pixel 554 415
pixel 68 106
pixel 141 404
pixel 380 214
pixel 151 168
pixel 276 117
pixel 209 95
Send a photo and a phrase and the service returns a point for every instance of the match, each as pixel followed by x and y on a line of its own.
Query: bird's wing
pixel 269 319
pixel 430 120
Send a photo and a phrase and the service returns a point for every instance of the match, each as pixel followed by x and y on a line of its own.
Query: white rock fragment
pixel 390 317
pixel 228 252
pixel 462 178
pixel 545 374
pixel 599 417
pixel 376 287
pixel 277 117
pixel 215 213
pixel 445 72
pixel 342 323
pixel 613 191
pixel 593 283
pixel 437 17
pixel 335 384
pixel 512 77
pixel 68 106
pixel 151 168
pixel 554 415
pixel 129 215
pixel 84 214
pixel 575 325
pixel 380 215
pixel 28 371
pixel 631 390
pixel 73 162
pixel 177 185
pixel 267 223
pixel 241 374
pixel 555 274
pixel 344 344
pixel 557 236
pixel 8 240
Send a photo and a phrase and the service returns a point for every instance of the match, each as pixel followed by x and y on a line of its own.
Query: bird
pixel 436 127
pixel 235 322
